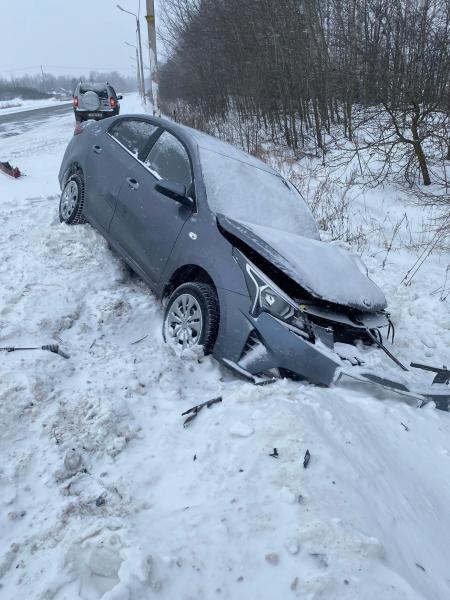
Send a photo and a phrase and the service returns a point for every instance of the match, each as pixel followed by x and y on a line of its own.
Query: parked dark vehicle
pixel 231 245
pixel 95 101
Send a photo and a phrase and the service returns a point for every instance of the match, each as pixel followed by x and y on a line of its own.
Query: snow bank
pixel 104 494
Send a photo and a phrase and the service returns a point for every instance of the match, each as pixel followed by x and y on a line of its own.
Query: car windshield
pixel 245 192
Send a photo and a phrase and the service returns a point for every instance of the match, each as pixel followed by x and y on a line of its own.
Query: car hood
pixel 326 271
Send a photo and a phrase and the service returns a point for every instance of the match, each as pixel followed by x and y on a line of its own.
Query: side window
pixel 134 135
pixel 168 159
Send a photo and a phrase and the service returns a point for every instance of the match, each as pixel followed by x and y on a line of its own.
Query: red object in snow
pixel 9 170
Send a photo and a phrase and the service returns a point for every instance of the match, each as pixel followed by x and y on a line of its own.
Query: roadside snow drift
pixel 104 494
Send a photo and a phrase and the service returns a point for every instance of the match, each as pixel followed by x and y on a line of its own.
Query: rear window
pixel 98 88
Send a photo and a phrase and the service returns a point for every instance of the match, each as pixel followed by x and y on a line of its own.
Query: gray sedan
pixel 232 246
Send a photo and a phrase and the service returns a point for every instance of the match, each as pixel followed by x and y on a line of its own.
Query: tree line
pixel 303 69
pixel 45 84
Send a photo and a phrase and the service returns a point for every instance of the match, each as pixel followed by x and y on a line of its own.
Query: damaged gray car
pixel 235 250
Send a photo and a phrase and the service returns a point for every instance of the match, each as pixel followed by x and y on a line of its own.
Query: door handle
pixel 134 185
pixel 96 149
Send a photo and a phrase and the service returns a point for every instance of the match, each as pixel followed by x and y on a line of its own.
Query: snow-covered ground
pixel 104 494
pixel 18 105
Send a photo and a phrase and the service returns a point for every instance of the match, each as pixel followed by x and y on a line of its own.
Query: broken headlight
pixel 265 295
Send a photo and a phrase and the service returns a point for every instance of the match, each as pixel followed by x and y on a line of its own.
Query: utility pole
pixel 44 85
pixel 140 82
pixel 138 70
pixel 141 64
pixel 141 61
pixel 150 18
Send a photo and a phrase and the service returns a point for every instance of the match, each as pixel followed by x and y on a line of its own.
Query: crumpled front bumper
pixel 274 347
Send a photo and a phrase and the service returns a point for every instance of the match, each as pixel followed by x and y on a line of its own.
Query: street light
pixel 140 86
pixel 138 27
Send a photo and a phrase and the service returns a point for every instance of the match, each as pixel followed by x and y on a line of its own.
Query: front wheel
pixel 72 200
pixel 192 317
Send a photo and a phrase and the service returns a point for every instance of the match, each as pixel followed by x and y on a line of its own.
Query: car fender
pixel 201 244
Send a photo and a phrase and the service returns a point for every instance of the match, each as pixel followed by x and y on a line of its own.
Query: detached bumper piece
pixel 441 379
pixel 437 392
pixel 276 348
pixel 10 170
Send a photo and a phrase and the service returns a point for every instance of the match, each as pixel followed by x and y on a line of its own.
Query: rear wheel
pixel 72 200
pixel 192 317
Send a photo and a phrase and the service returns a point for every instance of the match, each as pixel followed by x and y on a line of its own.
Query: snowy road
pixel 104 495
pixel 12 124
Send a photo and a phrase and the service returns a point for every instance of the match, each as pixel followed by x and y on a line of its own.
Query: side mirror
pixel 120 97
pixel 176 191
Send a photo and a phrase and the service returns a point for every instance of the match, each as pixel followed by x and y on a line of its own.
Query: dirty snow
pixel 104 494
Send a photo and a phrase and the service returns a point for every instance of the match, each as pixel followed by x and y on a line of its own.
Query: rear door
pixel 111 157
pixel 146 223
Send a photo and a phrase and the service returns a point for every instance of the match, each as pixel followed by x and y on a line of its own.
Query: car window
pixel 168 159
pixel 100 90
pixel 133 134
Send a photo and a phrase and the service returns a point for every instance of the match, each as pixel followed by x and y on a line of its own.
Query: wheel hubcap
pixel 184 322
pixel 69 200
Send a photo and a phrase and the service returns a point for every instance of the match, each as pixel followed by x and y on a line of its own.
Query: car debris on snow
pixel 101 500
pixel 306 459
pixel 8 169
pixel 193 412
pixel 54 348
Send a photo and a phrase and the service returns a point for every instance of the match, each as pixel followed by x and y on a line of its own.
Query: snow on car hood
pixel 325 271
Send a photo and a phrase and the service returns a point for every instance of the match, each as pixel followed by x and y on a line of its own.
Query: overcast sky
pixel 68 36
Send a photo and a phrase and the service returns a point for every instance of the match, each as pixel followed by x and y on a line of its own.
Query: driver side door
pixel 147 223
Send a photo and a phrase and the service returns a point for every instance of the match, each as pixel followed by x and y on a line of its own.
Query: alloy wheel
pixel 184 322
pixel 69 199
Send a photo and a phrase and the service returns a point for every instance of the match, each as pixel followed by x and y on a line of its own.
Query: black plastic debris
pixel 306 459
pixel 140 339
pixel 101 500
pixel 50 347
pixel 442 373
pixel 193 412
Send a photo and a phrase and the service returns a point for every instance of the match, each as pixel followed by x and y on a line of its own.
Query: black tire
pixel 208 302
pixel 75 215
